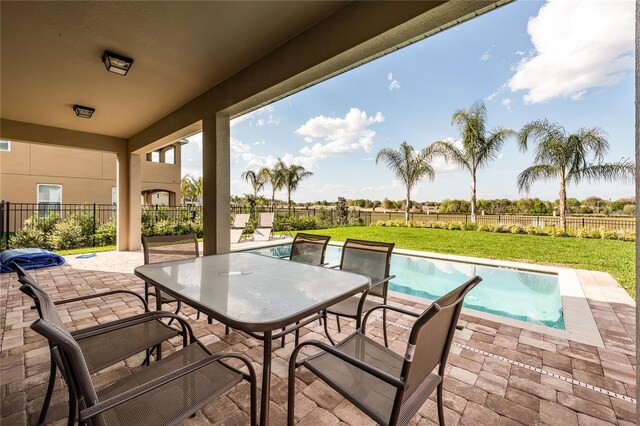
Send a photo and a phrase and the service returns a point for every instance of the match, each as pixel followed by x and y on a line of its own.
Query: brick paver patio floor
pixel 497 374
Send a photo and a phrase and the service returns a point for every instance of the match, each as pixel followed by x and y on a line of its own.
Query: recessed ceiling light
pixel 83 111
pixel 116 64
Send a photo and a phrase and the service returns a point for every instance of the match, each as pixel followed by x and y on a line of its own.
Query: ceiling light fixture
pixel 83 111
pixel 116 64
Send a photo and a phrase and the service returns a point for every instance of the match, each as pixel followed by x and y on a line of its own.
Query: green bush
pixel 515 229
pixel 455 226
pixel 106 233
pixel 67 234
pixel 30 236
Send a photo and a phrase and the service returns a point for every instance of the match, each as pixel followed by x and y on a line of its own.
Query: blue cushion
pixel 29 258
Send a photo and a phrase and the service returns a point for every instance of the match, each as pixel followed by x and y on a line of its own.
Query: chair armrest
pixel 106 293
pixel 382 281
pixel 332 267
pixel 113 402
pixel 384 376
pixel 389 307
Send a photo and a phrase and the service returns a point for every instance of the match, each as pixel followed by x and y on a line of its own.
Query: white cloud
pixel 342 135
pixel 518 53
pixel 497 93
pixel 260 117
pixel 394 85
pixel 578 46
pixel 260 142
pixel 506 102
pixel 390 76
pixel 440 165
pixel 485 56
pixel 242 152
pixel 308 139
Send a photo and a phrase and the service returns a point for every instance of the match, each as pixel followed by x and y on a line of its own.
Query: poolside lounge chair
pixel 166 392
pixel 367 258
pixel 106 344
pixel 165 248
pixel 263 231
pixel 239 226
pixel 386 386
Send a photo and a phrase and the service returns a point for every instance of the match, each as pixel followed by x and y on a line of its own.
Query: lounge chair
pixel 166 392
pixel 106 344
pixel 367 258
pixel 388 387
pixel 165 248
pixel 239 226
pixel 265 227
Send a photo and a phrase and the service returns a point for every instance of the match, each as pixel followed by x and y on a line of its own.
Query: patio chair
pixel 386 386
pixel 265 227
pixel 372 259
pixel 106 344
pixel 166 248
pixel 239 226
pixel 166 392
pixel 309 249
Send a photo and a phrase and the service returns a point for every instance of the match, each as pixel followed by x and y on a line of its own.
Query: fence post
pixel 498 219
pixel 156 213
pixel 94 224
pixel 436 216
pixel 583 222
pixel 6 238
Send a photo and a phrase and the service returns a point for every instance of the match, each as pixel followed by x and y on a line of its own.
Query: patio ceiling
pixel 51 55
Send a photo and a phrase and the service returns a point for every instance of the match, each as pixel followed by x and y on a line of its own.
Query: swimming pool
pixel 523 295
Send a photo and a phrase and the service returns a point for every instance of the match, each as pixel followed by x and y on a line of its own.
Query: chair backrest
pixel 240 220
pixel 431 337
pixel 266 220
pixel 309 249
pixel 169 247
pixel 51 327
pixel 369 258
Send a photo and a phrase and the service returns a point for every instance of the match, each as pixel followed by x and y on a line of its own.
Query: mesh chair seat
pixel 349 307
pixel 173 402
pixel 370 394
pixel 106 349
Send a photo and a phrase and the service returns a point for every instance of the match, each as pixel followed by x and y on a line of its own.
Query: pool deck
pixel 498 373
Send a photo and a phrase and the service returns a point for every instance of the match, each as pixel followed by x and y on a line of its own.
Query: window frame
pixel 8 145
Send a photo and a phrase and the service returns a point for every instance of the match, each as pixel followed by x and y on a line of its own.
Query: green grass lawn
pixel 85 250
pixel 615 257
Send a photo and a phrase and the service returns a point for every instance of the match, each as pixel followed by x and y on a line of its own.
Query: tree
pixel 570 158
pixel 257 180
pixel 291 177
pixel 409 166
pixel 478 149
pixel 191 188
pixel 275 178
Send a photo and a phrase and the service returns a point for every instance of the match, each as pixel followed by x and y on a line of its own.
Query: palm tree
pixel 275 178
pixel 291 177
pixel 409 166
pixel 478 147
pixel 571 158
pixel 256 180
pixel 191 187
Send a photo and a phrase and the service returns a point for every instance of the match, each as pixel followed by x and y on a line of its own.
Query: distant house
pixel 43 174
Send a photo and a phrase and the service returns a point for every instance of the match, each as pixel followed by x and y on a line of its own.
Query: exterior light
pixel 115 63
pixel 83 111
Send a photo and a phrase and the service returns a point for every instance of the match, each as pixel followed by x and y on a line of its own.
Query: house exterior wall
pixel 85 176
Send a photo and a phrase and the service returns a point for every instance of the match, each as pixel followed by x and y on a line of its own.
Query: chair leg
pixel 297 337
pixel 178 306
pixel 384 327
pixel 291 392
pixel 282 340
pixel 326 328
pixel 338 322
pixel 47 398
pixel 440 407
pixel 209 320
pixel 73 406
pixel 198 315
pixel 226 330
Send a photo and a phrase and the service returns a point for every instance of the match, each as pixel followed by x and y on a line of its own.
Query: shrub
pixel 583 233
pixel 516 229
pixel 455 226
pixel 30 236
pixel 469 226
pixel 486 227
pixel 67 235
pixel 106 233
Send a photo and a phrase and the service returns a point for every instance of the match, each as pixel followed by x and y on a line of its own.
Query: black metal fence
pixel 14 215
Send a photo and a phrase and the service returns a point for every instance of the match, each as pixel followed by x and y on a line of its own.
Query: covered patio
pixel 496 374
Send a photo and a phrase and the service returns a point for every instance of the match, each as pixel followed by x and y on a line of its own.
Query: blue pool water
pixel 523 295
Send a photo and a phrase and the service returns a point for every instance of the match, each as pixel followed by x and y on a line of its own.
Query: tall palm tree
pixel 479 148
pixel 570 158
pixel 256 180
pixel 275 178
pixel 409 165
pixel 291 177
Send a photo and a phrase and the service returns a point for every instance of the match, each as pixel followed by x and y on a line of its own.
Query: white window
pixel 49 198
pixel 114 195
pixel 170 156
pixel 5 145
pixel 155 157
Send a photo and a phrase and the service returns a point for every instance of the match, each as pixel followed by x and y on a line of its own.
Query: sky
pixel 570 62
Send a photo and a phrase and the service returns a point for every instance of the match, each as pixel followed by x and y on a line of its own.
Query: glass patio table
pixel 255 294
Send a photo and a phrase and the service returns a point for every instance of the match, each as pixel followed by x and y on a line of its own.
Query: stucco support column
pixel 216 168
pixel 129 183
pixel 135 209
